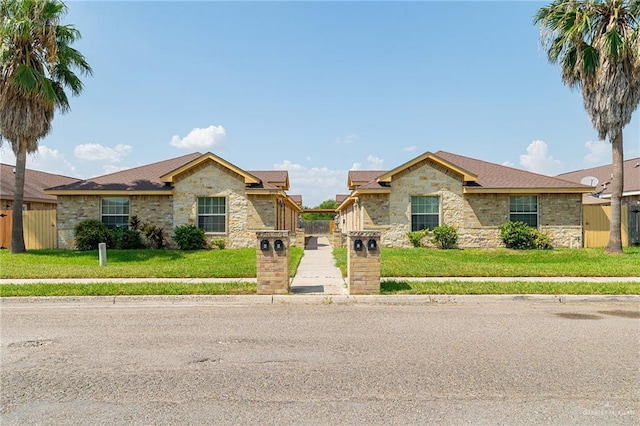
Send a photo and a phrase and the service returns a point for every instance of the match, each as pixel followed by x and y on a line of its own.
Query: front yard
pixel 422 262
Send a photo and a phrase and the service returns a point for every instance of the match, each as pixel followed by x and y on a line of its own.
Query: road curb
pixel 280 300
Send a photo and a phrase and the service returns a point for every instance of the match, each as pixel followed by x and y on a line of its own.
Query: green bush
pixel 520 236
pixel 416 237
pixel 541 240
pixel 445 236
pixel 126 239
pixel 189 237
pixel 91 232
pixel 219 243
pixel 154 234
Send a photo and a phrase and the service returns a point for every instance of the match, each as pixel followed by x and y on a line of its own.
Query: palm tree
pixel 38 64
pixel 597 44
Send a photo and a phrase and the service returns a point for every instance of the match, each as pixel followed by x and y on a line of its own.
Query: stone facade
pixel 272 266
pixel 245 213
pixel 475 215
pixel 363 266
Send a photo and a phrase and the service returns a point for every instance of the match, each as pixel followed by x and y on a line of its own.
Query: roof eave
pixel 535 190
pixel 107 192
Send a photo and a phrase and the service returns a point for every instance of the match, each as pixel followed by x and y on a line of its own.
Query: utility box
pixel 272 262
pixel 363 262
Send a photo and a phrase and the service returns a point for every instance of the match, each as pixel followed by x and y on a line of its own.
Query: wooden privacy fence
pixel 595 219
pixel 318 227
pixel 39 228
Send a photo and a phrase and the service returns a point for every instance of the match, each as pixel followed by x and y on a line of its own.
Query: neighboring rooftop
pixel 600 177
pixel 35 182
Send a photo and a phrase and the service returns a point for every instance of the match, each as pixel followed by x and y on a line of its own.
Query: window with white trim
pixel 212 214
pixel 425 213
pixel 114 212
pixel 524 208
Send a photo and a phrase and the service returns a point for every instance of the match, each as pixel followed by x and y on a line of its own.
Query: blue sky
pixel 318 88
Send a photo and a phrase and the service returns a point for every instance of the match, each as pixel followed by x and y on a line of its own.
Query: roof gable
pixel 171 175
pixel 467 176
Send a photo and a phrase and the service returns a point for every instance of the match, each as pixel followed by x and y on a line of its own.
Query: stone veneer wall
pixel 477 216
pixel 245 214
pixel 154 209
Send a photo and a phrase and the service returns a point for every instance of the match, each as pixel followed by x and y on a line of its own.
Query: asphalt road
pixel 504 363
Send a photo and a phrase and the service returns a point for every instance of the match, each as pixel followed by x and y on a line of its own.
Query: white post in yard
pixel 102 250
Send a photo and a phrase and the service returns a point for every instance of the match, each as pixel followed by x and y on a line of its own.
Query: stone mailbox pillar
pixel 363 262
pixel 272 262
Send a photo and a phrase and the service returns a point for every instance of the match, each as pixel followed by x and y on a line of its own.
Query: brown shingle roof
pixel 491 175
pixel 143 178
pixel 296 199
pixel 274 178
pixel 631 170
pixel 340 198
pixel 35 182
pixel 360 177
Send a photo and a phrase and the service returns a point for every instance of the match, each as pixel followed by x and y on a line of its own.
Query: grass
pixel 120 289
pixel 229 263
pixel 517 287
pixel 421 262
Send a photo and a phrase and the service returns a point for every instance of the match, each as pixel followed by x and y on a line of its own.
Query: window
pixel 212 214
pixel 425 213
pixel 115 212
pixel 524 208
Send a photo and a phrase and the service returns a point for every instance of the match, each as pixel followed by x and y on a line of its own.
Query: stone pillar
pixel 272 264
pixel 363 264
pixel 337 239
pixel 300 237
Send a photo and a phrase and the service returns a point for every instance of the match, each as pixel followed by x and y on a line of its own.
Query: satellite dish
pixel 589 181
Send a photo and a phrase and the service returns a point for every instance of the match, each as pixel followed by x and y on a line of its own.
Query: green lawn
pixel 517 287
pixel 422 262
pixel 229 263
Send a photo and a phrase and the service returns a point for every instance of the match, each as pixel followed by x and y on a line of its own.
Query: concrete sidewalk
pixel 317 273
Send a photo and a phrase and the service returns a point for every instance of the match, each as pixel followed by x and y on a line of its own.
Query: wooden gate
pixel 39 227
pixel 595 219
pixel 318 227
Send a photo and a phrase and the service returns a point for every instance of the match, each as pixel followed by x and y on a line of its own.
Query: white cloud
pixel 356 166
pixel 508 164
pixel 410 148
pixel 537 159
pixel 105 154
pixel 599 152
pixel 375 163
pixel 199 138
pixel 316 184
pixel 45 159
pixel 344 140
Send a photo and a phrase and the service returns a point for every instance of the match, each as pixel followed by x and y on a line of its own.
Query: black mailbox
pixel 264 245
pixel 278 245
pixel 357 245
pixel 371 244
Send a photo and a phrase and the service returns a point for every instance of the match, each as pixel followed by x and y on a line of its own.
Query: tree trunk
pixel 617 183
pixel 17 233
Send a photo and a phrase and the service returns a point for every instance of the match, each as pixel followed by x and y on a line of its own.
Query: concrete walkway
pixel 317 273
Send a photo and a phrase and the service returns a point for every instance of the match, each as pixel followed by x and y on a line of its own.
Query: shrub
pixel 219 243
pixel 541 240
pixel 517 235
pixel 126 239
pixel 416 237
pixel 520 236
pixel 91 232
pixel 154 234
pixel 189 237
pixel 445 236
